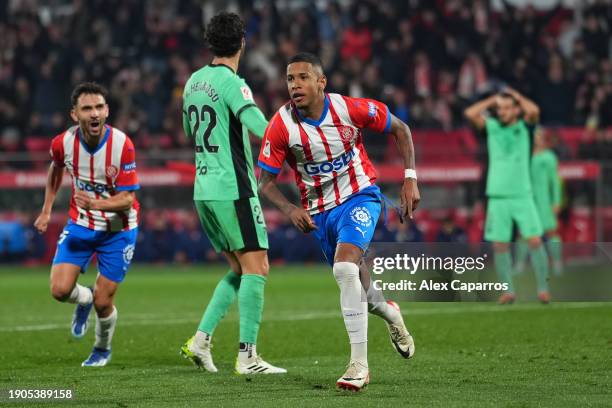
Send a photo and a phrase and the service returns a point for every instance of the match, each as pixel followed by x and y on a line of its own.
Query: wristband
pixel 410 173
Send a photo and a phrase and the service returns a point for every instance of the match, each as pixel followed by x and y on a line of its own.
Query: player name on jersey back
pixel 213 99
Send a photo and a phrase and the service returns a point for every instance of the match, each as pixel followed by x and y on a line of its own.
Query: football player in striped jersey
pixel 319 134
pixel 103 216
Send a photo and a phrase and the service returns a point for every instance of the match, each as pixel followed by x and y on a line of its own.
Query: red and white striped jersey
pixel 102 172
pixel 327 156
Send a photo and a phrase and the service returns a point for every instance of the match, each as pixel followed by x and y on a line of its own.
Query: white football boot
pixel 200 356
pixel 256 365
pixel 356 377
pixel 399 335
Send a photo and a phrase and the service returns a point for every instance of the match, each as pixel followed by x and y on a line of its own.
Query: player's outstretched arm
pixel 410 195
pixel 473 113
pixel 54 182
pixel 253 118
pixel 529 107
pixel 121 202
pixel 299 217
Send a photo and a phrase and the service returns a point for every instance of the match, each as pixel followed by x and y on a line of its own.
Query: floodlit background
pixel 427 60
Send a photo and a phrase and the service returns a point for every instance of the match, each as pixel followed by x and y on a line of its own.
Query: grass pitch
pixel 468 354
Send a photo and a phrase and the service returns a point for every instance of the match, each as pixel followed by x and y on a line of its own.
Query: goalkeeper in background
pixel 547 195
pixel 218 108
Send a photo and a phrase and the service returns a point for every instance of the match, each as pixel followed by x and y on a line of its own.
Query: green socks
pixel 250 302
pixel 503 267
pixel 222 299
pixel 521 253
pixel 539 260
pixel 555 249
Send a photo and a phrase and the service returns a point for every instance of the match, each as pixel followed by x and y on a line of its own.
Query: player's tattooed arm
pixel 410 195
pixel 54 182
pixel 299 217
pixel 473 113
pixel 120 202
pixel 529 107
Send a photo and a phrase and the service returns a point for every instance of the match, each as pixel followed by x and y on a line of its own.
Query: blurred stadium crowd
pixel 176 236
pixel 426 59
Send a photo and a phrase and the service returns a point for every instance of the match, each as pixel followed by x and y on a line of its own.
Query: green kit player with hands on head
pixel 218 108
pixel 547 195
pixel 509 184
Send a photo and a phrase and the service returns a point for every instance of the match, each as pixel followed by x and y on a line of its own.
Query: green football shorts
pixel 234 225
pixel 501 212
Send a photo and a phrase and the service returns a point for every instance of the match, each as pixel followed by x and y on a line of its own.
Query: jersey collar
pixel 221 65
pixel 100 145
pixel 315 123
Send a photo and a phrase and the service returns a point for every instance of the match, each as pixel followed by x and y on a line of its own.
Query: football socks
pixel 503 267
pixel 222 298
pixel 81 295
pixel 105 327
pixel 539 260
pixel 250 303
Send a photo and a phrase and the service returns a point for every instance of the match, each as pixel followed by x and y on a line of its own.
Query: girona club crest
pixel 112 171
pixel 347 133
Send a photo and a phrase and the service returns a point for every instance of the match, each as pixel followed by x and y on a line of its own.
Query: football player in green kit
pixel 218 112
pixel 547 194
pixel 509 191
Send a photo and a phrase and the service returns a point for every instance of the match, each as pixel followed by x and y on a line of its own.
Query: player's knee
pixel 534 242
pixel 501 247
pixel 345 271
pixel 103 304
pixel 264 268
pixel 60 291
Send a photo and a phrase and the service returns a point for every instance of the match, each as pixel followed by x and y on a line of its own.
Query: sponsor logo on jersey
pixel 347 133
pixel 94 188
pixel 266 149
pixel 112 171
pixel 371 109
pixel 361 215
pixel 327 167
pixel 129 166
pixel 246 93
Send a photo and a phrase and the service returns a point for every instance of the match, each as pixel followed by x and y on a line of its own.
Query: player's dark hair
pixel 87 88
pixel 306 57
pixel 509 96
pixel 224 34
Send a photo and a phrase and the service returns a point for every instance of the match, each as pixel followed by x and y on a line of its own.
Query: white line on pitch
pixel 129 320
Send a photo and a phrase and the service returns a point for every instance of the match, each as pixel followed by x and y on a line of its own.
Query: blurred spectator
pixel 451 232
pixel 425 59
pixel 407 231
pixel 555 95
pixel 153 240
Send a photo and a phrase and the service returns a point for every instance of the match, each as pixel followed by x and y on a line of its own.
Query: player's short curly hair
pixel 224 34
pixel 87 88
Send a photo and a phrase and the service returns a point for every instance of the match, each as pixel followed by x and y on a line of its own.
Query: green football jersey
pixel 509 154
pixel 213 100
pixel 545 179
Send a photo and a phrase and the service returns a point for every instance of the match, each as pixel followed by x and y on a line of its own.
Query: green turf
pixel 468 354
